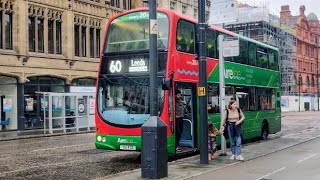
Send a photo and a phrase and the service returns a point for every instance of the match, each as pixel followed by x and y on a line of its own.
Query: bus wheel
pixel 264 130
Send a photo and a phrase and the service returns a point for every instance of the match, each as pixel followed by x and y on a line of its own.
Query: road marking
pixel 271 173
pixel 306 158
pixel 60 147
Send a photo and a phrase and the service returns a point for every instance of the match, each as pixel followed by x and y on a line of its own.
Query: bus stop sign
pixel 230 47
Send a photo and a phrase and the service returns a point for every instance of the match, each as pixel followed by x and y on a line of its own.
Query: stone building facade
pixel 48 46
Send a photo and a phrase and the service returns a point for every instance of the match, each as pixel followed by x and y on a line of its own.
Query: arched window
pixel 312 82
pixel 307 81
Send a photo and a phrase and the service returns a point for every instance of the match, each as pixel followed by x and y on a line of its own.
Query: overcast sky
pixel 275 5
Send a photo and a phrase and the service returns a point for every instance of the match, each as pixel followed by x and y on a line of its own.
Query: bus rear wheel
pixel 264 131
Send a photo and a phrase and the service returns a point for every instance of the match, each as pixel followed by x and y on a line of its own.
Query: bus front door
pixel 189 124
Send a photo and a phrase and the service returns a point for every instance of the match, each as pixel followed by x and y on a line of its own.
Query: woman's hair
pixel 230 103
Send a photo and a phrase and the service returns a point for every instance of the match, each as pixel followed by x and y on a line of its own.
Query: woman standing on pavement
pixel 232 120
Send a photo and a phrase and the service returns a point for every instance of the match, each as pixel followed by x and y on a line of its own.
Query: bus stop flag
pixel 223 11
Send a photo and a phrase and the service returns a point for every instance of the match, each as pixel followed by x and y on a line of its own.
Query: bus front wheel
pixel 264 131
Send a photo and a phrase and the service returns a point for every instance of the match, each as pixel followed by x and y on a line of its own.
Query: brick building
pixel 306 57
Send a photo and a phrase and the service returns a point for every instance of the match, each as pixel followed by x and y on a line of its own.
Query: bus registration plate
pixel 127 147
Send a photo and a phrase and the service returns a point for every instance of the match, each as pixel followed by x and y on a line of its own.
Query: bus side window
pixel 262 57
pixel 211 43
pixel 273 61
pixel 243 56
pixel 252 54
pixel 186 37
pixel 213 99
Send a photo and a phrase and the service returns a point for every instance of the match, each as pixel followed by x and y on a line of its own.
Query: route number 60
pixel 115 67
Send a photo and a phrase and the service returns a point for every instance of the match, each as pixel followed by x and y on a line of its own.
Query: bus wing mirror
pixel 166 84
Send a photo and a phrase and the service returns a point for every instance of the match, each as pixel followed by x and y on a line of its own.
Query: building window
pixel 98 43
pixel 1 29
pixel 76 40
pixel 40 36
pixel 172 5
pixel 58 38
pixel 83 41
pixel 32 34
pixel 184 9
pixel 8 29
pixel 118 3
pixel 54 32
pixel 112 2
pixel 36 29
pixel 50 37
pixel 127 4
pixel 92 42
pixel 195 13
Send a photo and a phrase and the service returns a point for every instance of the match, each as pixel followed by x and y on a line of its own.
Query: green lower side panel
pixel 127 143
pixel 252 124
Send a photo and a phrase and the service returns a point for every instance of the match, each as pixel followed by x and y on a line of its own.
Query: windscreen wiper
pixel 134 80
pixel 105 77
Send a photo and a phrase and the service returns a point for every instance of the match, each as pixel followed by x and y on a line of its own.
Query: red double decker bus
pixel 123 81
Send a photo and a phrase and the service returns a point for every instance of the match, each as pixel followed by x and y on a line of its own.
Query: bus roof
pixel 217 28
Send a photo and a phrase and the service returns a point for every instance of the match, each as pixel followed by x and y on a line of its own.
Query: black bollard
pixel 154 154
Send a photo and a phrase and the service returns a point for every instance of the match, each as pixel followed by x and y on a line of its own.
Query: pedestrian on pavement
pixel 180 110
pixel 233 119
pixel 212 136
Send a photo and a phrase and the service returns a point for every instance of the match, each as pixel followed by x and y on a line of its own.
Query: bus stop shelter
pixel 68 112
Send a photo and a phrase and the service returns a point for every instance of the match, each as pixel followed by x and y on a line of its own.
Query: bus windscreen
pixel 130 32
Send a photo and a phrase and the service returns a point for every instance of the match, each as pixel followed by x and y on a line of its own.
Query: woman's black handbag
pixel 225 131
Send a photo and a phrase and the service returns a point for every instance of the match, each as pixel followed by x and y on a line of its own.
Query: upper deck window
pixel 186 37
pixel 130 32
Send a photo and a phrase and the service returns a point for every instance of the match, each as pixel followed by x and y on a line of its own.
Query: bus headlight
pixel 99 138
pixel 104 139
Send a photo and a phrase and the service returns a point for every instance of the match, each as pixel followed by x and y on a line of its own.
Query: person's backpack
pixel 225 132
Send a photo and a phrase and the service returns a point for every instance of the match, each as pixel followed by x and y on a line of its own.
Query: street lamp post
pixel 317 58
pixel 202 91
pixel 154 155
pixel 300 80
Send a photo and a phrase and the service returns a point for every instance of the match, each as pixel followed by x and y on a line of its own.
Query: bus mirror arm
pixel 166 84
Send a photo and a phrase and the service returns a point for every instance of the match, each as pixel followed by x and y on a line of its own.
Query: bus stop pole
pixel 222 92
pixel 202 89
pixel 154 155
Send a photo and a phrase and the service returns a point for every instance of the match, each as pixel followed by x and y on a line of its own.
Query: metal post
pixel 317 47
pixel 20 107
pixel 50 113
pixel 222 92
pixel 154 155
pixel 202 91
pixel 299 89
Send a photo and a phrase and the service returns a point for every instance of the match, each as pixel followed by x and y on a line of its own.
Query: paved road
pixel 61 157
pixel 298 162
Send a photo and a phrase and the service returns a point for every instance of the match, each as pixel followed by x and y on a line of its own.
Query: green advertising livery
pixel 240 74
